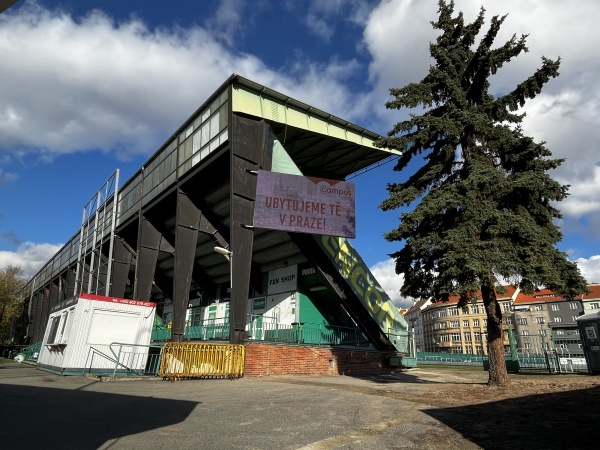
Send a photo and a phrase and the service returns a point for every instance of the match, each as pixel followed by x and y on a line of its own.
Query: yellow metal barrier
pixel 193 360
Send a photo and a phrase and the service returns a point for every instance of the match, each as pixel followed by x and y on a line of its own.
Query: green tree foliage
pixel 484 202
pixel 11 282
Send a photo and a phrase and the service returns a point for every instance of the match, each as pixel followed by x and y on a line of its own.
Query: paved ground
pixel 41 410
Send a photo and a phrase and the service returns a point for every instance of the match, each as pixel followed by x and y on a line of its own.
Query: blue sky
pixel 91 86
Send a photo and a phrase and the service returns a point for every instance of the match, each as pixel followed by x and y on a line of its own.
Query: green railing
pixel 208 330
pixel 451 359
pixel 265 328
pixel 29 354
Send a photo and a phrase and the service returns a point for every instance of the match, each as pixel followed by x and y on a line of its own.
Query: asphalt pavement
pixel 42 410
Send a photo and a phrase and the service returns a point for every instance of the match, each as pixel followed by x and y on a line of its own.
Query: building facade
pixel 180 232
pixel 449 328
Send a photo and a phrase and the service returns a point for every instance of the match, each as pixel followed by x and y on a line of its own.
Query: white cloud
pixel 226 23
pixel 385 273
pixel 590 268
pixel 29 256
pixel 95 84
pixel 7 177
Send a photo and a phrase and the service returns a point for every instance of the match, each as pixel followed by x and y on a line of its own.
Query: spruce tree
pixel 484 203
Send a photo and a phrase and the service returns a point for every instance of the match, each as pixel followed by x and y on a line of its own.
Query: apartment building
pixel 449 328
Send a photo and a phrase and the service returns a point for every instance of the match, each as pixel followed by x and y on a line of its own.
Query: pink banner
pixel 305 204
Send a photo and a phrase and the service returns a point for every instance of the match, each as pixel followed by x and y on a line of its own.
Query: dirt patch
pixel 538 411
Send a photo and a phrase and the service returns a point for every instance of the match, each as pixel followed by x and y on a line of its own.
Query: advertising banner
pixel 305 204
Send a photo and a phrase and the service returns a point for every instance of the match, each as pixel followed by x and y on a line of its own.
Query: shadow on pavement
pixel 40 417
pixel 561 420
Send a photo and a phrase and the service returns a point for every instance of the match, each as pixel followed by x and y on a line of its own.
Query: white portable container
pixel 97 334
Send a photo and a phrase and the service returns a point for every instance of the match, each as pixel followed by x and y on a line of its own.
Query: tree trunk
pixel 497 375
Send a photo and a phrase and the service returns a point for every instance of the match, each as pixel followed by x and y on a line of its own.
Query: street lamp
pixel 229 257
pixel 223 251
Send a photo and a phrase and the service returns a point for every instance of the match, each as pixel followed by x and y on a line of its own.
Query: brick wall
pixel 272 359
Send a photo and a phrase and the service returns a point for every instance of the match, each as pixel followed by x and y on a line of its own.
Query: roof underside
pixel 320 144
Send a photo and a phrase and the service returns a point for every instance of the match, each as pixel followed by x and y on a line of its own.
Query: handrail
pixel 117 358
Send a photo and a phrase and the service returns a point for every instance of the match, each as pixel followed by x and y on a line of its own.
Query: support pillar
pixel 186 236
pixel 122 258
pixel 251 149
pixel 147 252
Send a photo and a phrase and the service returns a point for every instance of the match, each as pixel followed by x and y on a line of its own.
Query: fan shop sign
pixel 305 204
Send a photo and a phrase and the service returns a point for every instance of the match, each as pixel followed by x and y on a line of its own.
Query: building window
pixel 574 318
pixel 453 311
pixel 573 305
pixel 505 306
pixel 456 337
pixel 466 323
pixel 542 332
pixel 474 309
pixel 558 319
pixel 522 321
pixel 528 345
pixel 445 338
pixel 539 319
pixel 475 322
pixel 555 307
pixel 454 324
pixel 468 336
pixel 485 322
pixel 477 336
pixel 508 321
pixel 443 312
pixel 539 308
pixel 525 333
pixel 595 305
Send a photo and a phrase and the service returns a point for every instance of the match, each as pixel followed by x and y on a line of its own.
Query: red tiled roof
pixel 546 295
pixel 509 293
pixel 594 292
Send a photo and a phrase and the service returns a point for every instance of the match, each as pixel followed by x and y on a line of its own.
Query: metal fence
pixel 450 359
pixel 537 353
pixel 527 353
pixel 266 328
pixel 124 360
pixel 196 360
pixel 28 354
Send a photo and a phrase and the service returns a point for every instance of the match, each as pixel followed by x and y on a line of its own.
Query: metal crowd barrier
pixel 194 360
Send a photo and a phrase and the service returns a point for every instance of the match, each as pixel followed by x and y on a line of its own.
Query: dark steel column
pixel 249 152
pixel 38 327
pixel 149 244
pixel 122 258
pixel 54 299
pixel 102 271
pixel 186 236
pixel 31 314
pixel 69 286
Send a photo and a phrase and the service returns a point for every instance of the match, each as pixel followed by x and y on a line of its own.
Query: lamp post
pixel 229 257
